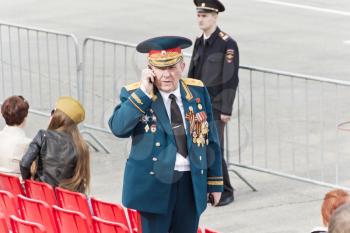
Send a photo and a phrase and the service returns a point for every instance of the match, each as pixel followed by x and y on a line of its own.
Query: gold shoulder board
pixel 223 36
pixel 193 82
pixel 132 86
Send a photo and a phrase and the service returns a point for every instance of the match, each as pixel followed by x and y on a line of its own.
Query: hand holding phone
pixel 147 80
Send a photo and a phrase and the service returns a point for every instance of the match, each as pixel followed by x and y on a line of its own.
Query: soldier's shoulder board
pixel 132 86
pixel 224 36
pixel 193 82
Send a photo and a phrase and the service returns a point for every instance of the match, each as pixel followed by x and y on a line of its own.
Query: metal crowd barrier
pixel 283 123
pixel 38 64
pixel 286 124
pixel 107 66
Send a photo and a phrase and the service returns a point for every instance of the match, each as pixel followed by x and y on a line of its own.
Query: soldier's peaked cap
pixel 164 50
pixel 209 6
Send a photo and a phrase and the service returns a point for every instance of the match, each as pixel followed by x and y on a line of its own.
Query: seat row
pixel 39 206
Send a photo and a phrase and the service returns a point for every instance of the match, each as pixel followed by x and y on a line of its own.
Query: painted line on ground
pixel 306 7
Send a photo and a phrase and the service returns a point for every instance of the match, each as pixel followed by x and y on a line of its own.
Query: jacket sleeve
pixel 128 113
pixel 32 154
pixel 229 77
pixel 191 68
pixel 215 179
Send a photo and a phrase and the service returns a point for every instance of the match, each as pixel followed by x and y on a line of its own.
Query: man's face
pixel 206 20
pixel 167 78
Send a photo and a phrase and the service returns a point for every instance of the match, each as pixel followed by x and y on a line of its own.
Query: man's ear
pixel 183 65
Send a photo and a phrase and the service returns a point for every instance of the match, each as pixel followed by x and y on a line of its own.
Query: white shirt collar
pixel 176 92
pixel 14 129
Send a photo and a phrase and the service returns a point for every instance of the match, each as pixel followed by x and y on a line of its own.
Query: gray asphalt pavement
pixel 309 37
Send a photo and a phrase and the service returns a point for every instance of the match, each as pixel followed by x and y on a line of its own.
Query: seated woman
pixel 61 154
pixel 13 140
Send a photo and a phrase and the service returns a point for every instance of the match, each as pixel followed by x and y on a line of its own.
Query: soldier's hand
pixel 225 118
pixel 147 80
pixel 217 196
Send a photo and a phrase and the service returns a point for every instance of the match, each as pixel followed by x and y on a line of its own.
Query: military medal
pixel 154 118
pixel 191 118
pixel 199 106
pixel 201 116
pixel 145 118
pixel 199 126
pixel 194 135
pixel 153 128
pixel 146 128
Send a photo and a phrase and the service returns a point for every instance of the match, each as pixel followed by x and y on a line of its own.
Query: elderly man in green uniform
pixel 175 159
pixel 215 61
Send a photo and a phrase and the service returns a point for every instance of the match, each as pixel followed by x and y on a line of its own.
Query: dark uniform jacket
pixel 216 63
pixel 55 155
pixel 149 169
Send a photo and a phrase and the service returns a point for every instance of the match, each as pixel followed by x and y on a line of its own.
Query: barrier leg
pixel 231 169
pixel 97 141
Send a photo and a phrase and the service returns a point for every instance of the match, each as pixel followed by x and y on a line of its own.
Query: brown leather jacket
pixel 55 155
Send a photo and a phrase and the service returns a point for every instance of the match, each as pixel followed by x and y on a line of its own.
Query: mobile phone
pixel 150 67
pixel 154 86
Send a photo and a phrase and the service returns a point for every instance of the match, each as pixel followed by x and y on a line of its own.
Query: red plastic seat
pixel 109 211
pixel 199 230
pixel 37 211
pixel 22 226
pixel 74 201
pixel 3 225
pixel 11 184
pixel 104 226
pixel 8 206
pixel 70 221
pixel 135 221
pixel 207 230
pixel 40 191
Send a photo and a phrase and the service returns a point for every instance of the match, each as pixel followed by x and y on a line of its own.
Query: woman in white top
pixel 13 141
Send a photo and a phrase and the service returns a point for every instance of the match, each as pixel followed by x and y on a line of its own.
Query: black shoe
pixel 225 201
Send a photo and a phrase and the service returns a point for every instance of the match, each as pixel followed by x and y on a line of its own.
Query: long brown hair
pixel 81 179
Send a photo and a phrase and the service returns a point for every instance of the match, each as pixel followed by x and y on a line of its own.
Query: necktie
pixel 178 127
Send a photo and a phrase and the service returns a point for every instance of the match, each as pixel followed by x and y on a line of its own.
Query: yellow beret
pixel 72 108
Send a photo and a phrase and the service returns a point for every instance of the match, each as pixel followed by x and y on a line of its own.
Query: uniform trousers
pixel 220 125
pixel 181 216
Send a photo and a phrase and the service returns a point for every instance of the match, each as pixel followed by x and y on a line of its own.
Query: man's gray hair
pixel 340 220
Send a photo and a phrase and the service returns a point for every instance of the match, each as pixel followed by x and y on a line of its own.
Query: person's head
pixel 207 13
pixel 206 20
pixel 15 110
pixel 340 220
pixel 66 116
pixel 165 58
pixel 331 202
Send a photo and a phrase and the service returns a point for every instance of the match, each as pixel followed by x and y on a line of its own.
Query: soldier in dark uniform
pixel 215 61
